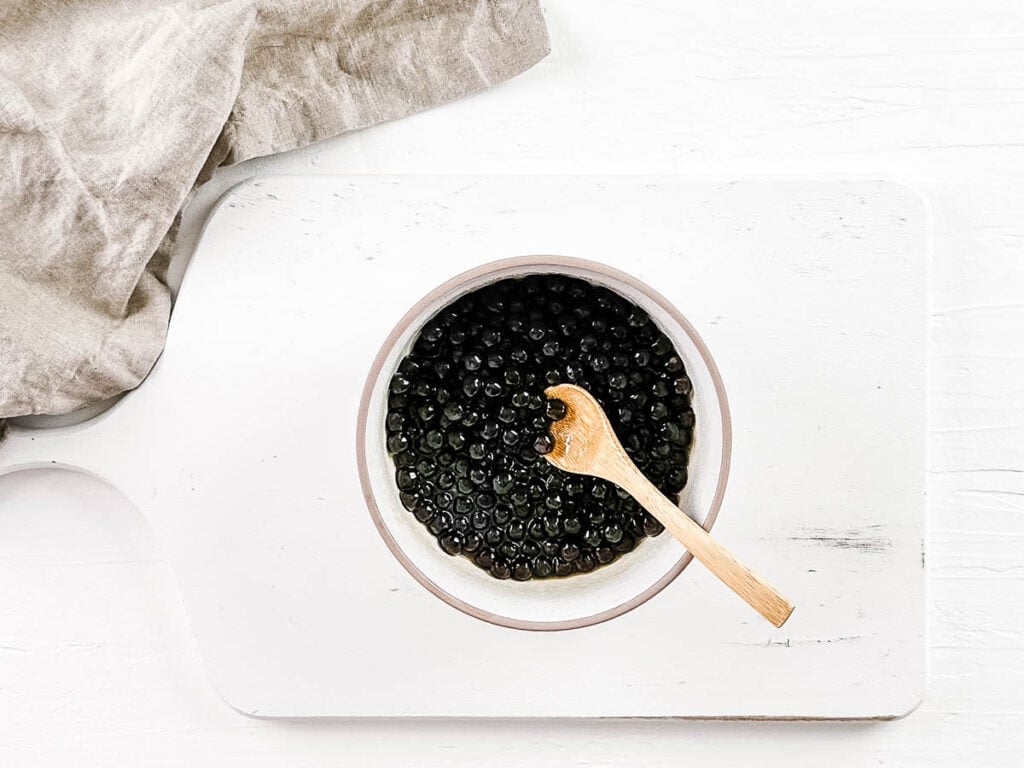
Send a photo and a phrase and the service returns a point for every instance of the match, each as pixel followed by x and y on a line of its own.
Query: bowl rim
pixel 472 275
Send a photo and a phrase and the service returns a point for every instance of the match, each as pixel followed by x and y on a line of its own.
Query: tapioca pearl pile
pixel 467 424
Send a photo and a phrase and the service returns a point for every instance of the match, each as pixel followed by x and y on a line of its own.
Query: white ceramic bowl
pixel 582 599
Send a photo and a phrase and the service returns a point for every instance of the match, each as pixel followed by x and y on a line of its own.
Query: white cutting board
pixel 239 448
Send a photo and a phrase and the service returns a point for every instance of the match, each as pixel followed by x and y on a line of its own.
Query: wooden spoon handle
pixel 760 595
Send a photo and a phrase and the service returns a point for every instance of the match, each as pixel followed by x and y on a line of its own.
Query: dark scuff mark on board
pixel 866 539
pixel 789 642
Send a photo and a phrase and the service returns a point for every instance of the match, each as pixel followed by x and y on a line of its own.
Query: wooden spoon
pixel 585 444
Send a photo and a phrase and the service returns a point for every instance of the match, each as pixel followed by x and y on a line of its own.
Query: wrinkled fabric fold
pixel 111 111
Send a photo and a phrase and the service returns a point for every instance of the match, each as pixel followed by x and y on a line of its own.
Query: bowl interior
pixel 581 599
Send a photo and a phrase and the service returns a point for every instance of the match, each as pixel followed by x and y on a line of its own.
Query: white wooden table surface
pixel 97 665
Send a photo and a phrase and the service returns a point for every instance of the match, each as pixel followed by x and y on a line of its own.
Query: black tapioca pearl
pixel 515 530
pixel 585 563
pixel 441 522
pixel 521 570
pixel 446 481
pixel 571 524
pixel 651 526
pixel 407 479
pixel 400 384
pixel 604 555
pixel 659 411
pixel 463 485
pixel 555 409
pixel 510 438
pixel 398 443
pixel 477 451
pixel 519 497
pixel 397 401
pixel 553 376
pixel 661 449
pixel 434 439
pixel 542 567
pixel 529 548
pixel 471 385
pixel 500 568
pixel 490 430
pixel 550 547
pixel 457 440
pixel 676 479
pixel 470 419
pixel 507 415
pixel 613 533
pixel 682 386
pixel 471 542
pixel 553 501
pixel 618 381
pixel 519 355
pixel 591 537
pixel 425 511
pixel 509 549
pixel 433 332
pixel 569 552
pixel 395 422
pixel 444 500
pixel 544 444
pixel 502 515
pixel 453 411
pixel 552 524
pixel 662 346
pixel 477 476
pixel 493 536
pixel 495 360
pixel 502 483
pixel 484 557
pixel 686 419
pixel 564 567
pixel 463 503
pixel 637 318
pixel 472 362
pixel 493 389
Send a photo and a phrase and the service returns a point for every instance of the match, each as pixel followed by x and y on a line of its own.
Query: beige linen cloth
pixel 111 111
